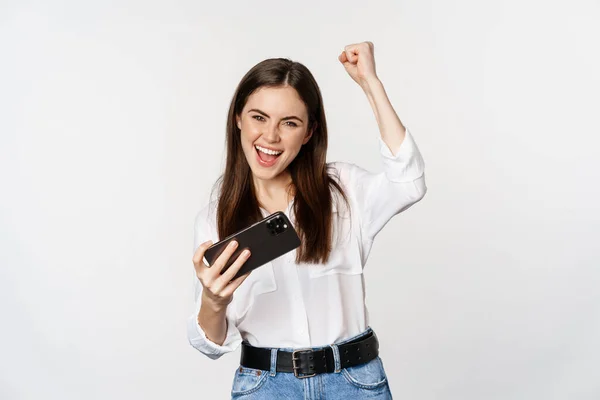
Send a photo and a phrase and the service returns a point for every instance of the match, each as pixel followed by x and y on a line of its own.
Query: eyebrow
pixel 283 119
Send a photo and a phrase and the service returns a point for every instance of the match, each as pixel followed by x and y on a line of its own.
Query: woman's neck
pixel 274 194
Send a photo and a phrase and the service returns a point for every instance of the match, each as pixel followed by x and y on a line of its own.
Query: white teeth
pixel 267 151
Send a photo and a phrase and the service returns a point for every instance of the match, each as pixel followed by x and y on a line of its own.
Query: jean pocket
pixel 370 375
pixel 247 380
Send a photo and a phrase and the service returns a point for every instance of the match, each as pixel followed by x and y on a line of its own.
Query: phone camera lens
pixel 276 225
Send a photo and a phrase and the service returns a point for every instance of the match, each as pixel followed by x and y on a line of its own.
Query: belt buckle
pixel 294 367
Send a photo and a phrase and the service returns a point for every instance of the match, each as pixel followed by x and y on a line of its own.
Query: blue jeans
pixel 367 380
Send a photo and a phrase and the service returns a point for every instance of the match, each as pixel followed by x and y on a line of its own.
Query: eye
pixel 290 123
pixel 258 117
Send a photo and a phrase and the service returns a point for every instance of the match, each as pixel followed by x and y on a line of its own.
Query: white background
pixel 112 121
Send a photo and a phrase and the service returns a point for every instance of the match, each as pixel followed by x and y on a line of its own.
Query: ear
pixel 309 133
pixel 238 122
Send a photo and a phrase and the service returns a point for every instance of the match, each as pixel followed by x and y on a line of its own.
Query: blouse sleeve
pixel 380 196
pixel 196 335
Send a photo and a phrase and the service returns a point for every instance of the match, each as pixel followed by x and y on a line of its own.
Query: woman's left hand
pixel 359 61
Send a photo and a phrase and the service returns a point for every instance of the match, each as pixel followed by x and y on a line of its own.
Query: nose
pixel 271 134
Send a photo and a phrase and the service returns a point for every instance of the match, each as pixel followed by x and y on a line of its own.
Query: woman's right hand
pixel 218 289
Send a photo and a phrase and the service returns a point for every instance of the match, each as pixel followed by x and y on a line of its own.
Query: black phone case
pixel 267 239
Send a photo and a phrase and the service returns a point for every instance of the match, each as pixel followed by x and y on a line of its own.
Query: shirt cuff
pixel 407 165
pixel 198 339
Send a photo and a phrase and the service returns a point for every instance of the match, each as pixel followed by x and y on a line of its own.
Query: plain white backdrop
pixel 112 122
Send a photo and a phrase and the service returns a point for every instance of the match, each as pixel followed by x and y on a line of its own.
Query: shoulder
pixel 346 173
pixel 205 222
pixel 206 216
pixel 341 170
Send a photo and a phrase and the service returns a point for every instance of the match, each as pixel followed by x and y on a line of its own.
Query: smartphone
pixel 267 240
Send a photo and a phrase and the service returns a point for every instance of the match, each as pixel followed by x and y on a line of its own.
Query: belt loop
pixel 336 358
pixel 273 371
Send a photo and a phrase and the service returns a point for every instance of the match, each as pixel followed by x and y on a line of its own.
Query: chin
pixel 264 175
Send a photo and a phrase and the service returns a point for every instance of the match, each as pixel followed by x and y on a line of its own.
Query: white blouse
pixel 282 304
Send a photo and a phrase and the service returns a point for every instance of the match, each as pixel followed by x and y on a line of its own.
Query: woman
pixel 301 319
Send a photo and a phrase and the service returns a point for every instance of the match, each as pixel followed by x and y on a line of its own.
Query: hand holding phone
pixel 218 286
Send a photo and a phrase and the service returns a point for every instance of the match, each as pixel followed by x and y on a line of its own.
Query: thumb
pixel 344 60
pixel 351 56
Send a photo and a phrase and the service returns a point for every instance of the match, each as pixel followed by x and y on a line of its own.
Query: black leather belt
pixel 305 363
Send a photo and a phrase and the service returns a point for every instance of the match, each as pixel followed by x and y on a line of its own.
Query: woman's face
pixel 274 126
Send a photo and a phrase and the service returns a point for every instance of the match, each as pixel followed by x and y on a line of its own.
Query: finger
pixel 369 48
pixel 233 285
pixel 220 283
pixel 352 53
pixel 198 257
pixel 344 60
pixel 235 267
pixel 352 56
pixel 352 46
pixel 223 258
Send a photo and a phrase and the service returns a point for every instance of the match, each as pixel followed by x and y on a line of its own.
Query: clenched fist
pixel 359 61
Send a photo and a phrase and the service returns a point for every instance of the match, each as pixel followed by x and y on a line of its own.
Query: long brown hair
pixel 312 185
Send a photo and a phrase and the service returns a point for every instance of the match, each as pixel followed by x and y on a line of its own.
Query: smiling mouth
pixel 266 157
